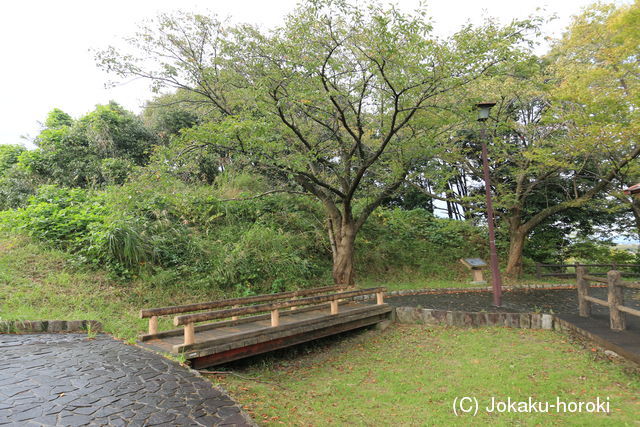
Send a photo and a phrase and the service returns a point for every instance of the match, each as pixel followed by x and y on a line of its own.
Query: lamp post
pixel 483 115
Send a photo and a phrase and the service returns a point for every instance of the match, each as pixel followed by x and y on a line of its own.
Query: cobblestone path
pixel 67 379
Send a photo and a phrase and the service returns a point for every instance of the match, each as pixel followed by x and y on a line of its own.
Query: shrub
pixel 17 185
pixel 262 256
pixel 62 217
pixel 416 241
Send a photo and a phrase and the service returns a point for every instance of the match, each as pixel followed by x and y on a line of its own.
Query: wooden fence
pixel 615 296
pixel 563 270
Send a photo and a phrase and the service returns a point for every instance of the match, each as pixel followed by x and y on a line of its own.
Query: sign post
pixel 475 265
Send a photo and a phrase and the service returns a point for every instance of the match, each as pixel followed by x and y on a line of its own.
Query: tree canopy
pixel 338 103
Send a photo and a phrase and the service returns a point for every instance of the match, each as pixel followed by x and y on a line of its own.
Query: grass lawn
pixel 410 375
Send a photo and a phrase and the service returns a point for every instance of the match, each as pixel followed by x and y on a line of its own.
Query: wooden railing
pixel 189 320
pixel 562 269
pixel 153 313
pixel 236 307
pixel 615 296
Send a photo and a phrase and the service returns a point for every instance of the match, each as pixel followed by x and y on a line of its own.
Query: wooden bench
pixel 241 327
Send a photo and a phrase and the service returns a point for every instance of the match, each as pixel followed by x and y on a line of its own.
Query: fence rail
pixel 564 273
pixel 615 297
pixel 154 313
pixel 334 299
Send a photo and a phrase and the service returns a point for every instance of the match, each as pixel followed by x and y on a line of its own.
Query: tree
pixel 15 183
pixel 598 58
pixel 544 165
pixel 339 103
pixel 167 115
pixel 563 133
pixel 9 155
pixel 75 152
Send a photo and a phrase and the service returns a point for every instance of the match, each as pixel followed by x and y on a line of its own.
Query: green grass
pixel 410 375
pixel 40 284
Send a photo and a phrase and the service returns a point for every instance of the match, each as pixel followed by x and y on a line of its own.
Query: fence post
pixel 616 298
pixel 275 317
pixel 153 325
pixel 584 306
pixel 379 298
pixel 189 334
pixel 334 307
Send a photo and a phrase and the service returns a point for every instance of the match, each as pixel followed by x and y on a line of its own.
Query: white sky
pixel 45 45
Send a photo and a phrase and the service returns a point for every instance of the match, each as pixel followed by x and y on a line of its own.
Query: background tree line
pixel 268 156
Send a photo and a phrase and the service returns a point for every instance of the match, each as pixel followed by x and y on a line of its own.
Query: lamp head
pixel 483 110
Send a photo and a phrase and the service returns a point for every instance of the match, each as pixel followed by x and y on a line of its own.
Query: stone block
pixel 407 314
pixel 512 320
pixel 75 326
pixel 458 318
pixel 29 326
pixel 536 321
pixel 557 325
pixel 547 321
pixel 480 319
pixel 525 320
pixel 427 317
pixel 440 316
pixel 56 326
pixel 381 326
pixel 493 319
pixel 448 318
pixel 468 320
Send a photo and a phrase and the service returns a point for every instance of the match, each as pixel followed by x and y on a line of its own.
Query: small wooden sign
pixel 475 265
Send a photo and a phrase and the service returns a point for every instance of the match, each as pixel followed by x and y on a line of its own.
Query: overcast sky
pixel 47 63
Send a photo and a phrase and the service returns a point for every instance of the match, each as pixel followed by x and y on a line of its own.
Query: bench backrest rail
pixel 189 320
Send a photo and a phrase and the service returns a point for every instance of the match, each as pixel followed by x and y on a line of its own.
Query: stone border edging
pixel 48 326
pixel 430 316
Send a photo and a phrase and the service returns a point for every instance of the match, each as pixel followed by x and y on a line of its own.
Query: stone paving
pixel 67 379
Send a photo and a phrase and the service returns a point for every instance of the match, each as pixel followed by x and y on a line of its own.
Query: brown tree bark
pixel 517 238
pixel 343 265
pixel 342 235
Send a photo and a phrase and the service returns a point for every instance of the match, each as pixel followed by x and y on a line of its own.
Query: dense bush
pixel 60 216
pixel 409 242
pixel 176 234
pixel 598 252
pixel 9 155
pixel 16 186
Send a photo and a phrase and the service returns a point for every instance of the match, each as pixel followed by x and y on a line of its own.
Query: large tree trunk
pixel 516 245
pixel 517 236
pixel 342 235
